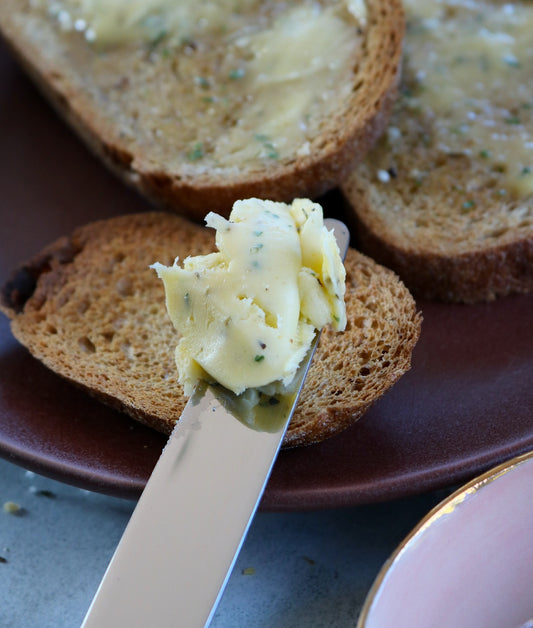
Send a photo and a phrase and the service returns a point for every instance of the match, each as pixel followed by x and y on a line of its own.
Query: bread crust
pixel 341 143
pixel 481 274
pixel 90 308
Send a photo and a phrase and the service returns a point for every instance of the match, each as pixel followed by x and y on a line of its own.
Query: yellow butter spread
pixel 247 314
pixel 469 70
pixel 254 78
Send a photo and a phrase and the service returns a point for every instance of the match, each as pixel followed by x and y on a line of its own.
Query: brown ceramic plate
pixel 466 405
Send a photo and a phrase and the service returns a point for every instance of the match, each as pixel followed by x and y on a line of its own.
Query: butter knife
pixel 179 547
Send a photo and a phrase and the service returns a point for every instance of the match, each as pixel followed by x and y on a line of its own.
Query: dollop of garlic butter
pixel 247 314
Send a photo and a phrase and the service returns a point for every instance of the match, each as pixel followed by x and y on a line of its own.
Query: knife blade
pixel 173 561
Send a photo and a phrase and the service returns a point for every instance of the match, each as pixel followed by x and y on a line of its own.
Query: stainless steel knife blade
pixel 177 552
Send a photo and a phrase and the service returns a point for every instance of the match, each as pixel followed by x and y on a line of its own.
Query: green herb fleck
pixel 469 204
pixel 259 358
pixel 256 248
pixel 196 153
pixel 258 233
pixel 512 62
pixel 272 152
pixel 237 74
pixel 525 171
pixel 202 82
pixel 461 129
pixel 249 571
pixel 485 154
pixel 512 120
pixel 157 38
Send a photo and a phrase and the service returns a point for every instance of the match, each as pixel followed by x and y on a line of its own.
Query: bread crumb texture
pixel 91 309
pixel 446 197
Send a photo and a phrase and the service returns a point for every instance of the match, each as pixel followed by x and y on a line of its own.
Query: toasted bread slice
pixel 199 105
pixel 446 197
pixel 91 309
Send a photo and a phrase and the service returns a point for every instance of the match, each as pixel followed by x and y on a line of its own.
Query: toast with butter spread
pixel 446 197
pixel 200 104
pixel 92 310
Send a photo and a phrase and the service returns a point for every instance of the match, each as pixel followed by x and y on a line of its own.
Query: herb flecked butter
pixel 247 314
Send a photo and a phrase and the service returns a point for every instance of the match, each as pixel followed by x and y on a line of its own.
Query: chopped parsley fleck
pixel 202 82
pixel 512 120
pixel 469 204
pixel 512 62
pixel 237 74
pixel 460 129
pixel 271 150
pixel 157 38
pixel 259 358
pixel 525 171
pixel 256 248
pixel 485 154
pixel 196 153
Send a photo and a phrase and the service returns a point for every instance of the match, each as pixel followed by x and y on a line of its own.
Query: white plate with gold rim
pixel 468 563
